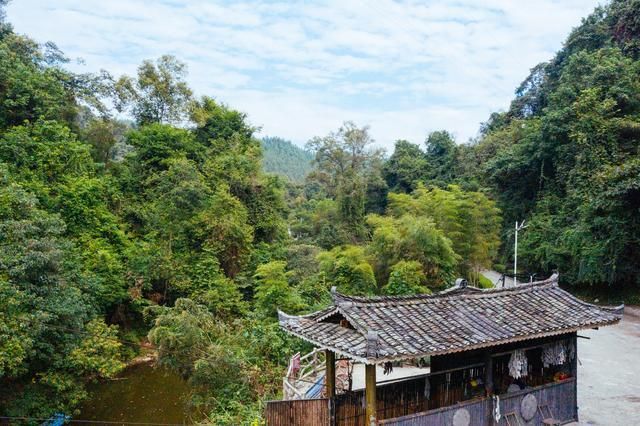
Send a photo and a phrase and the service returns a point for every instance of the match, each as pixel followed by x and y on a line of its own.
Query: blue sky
pixel 299 69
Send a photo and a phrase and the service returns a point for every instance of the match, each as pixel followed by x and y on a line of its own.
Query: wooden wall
pixel 410 396
pixel 560 397
pixel 397 403
pixel 298 412
pixel 479 412
pixel 393 400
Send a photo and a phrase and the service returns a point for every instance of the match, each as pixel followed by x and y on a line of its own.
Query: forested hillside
pixel 167 228
pixel 283 158
pixel 564 156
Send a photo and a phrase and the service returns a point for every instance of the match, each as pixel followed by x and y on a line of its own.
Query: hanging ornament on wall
pixel 528 407
pixel 558 353
pixel 461 417
pixel 518 365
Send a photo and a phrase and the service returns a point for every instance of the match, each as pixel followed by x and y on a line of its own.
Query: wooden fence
pixel 298 412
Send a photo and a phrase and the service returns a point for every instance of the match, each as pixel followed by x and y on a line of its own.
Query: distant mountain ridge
pixel 284 158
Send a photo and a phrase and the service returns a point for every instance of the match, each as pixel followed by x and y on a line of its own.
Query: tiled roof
pixel 379 329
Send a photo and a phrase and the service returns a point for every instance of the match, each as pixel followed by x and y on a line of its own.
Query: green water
pixel 145 394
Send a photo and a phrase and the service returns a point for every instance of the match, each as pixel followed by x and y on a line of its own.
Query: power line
pixel 71 421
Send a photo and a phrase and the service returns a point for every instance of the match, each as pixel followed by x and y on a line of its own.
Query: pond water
pixel 142 393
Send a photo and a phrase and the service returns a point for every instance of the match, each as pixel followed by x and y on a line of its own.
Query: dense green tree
pixel 440 154
pixel 406 278
pixel 218 124
pixel 469 219
pixel 347 169
pixel 406 167
pixel 273 291
pixel 49 295
pixel 16 330
pixel 347 268
pixel 574 119
pixel 206 283
pixel 201 346
pixel 106 136
pixel 156 143
pixel 158 94
pixel 34 85
pixel 415 238
pixel 99 352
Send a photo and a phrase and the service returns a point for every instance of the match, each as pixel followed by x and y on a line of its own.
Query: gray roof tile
pixel 455 320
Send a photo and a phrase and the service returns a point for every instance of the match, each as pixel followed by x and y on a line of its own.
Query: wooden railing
pixel 296 383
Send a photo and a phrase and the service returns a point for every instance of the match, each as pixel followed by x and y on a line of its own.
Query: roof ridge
pixel 616 310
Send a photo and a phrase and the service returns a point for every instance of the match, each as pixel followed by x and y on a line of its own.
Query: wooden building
pixel 497 356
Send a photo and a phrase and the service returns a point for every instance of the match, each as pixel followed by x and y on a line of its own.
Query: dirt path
pixel 609 374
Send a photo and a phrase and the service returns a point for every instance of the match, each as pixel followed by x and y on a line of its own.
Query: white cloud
pixel 301 68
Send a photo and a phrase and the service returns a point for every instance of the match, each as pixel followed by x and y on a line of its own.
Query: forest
pixel 281 157
pixel 166 227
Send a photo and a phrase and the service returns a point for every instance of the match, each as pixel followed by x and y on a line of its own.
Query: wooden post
pixel 574 339
pixel 488 386
pixel 488 373
pixel 330 359
pixel 370 394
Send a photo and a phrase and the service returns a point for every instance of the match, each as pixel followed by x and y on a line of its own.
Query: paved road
pixel 609 373
pixel 495 277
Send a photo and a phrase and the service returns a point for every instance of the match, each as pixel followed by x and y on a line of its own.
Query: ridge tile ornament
pixel 379 329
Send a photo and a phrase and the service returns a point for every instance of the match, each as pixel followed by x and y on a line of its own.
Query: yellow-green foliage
pixel 99 352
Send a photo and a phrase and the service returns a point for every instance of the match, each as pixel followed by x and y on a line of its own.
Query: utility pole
pixel 515 252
